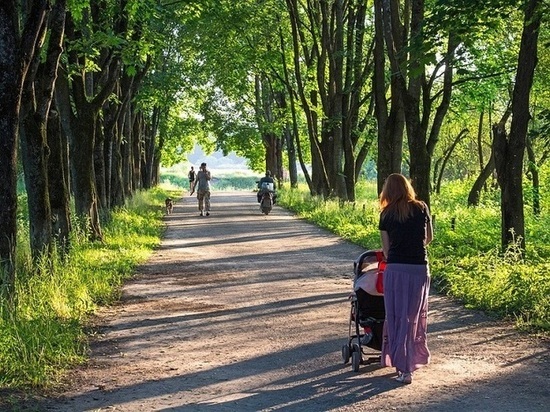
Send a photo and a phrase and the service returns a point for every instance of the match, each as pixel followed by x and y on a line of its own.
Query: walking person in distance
pixel 202 186
pixel 406 229
pixel 191 176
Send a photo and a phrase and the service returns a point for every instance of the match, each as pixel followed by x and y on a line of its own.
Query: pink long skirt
pixel 406 289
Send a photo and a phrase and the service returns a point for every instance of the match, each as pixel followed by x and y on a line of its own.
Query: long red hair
pixel 398 197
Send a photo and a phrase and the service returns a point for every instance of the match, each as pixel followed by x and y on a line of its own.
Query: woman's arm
pixel 385 242
pixel 429 227
pixel 429 232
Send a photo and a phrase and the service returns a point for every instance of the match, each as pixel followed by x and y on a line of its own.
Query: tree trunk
pixel 81 108
pixel 309 98
pixel 127 160
pixel 16 55
pixel 263 108
pixel 390 125
pixel 271 143
pixel 80 132
pixel 291 154
pixel 479 140
pixel 147 168
pixel 83 171
pixel 109 126
pixel 11 83
pixel 100 167
pixel 280 149
pixel 475 191
pixel 58 183
pixel 416 88
pixel 446 158
pixel 509 152
pixel 137 154
pixel 149 149
pixel 288 143
pixel 35 160
pixel 37 99
pixel 33 117
pixel 533 169
pixel 294 134
pixel 358 69
pixel 332 35
pixel 118 195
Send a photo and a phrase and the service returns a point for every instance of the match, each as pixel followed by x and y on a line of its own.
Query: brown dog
pixel 169 205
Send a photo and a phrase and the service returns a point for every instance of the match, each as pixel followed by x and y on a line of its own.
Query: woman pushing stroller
pixel 406 229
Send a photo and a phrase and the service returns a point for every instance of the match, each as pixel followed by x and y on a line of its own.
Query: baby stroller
pixel 367 310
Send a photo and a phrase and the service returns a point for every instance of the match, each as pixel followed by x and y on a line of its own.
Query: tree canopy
pixel 435 89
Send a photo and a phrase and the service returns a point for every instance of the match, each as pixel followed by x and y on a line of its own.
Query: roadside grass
pixel 465 259
pixel 44 332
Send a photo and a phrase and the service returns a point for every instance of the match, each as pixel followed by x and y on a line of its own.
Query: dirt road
pixel 242 312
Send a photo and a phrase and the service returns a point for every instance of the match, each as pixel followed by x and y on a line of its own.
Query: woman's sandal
pixel 405 378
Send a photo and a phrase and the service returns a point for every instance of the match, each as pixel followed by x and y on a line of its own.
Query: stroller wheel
pixel 346 353
pixel 356 360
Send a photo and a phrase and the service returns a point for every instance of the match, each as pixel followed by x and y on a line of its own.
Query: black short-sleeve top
pixel 407 238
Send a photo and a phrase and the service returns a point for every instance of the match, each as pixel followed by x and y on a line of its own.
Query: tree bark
pixel 137 155
pixel 509 151
pixel 100 167
pixel 10 93
pixel 479 139
pixel 535 179
pixel 83 171
pixel 391 124
pixel 295 136
pixel 288 140
pixel 447 156
pixel 58 183
pixel 357 128
pixel 487 170
pixel 16 55
pixel 309 98
pixel 150 131
pixel 475 192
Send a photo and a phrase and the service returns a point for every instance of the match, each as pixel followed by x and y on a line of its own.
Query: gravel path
pixel 244 312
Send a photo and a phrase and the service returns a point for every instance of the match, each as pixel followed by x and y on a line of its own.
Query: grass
pixel 44 333
pixel 464 258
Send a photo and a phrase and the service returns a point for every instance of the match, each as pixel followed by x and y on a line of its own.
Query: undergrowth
pixel 43 332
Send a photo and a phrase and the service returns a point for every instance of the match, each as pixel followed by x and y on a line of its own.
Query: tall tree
pixel 488 169
pixel 332 62
pixel 390 115
pixel 509 149
pixel 88 92
pixel 419 88
pixel 37 99
pixel 18 46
